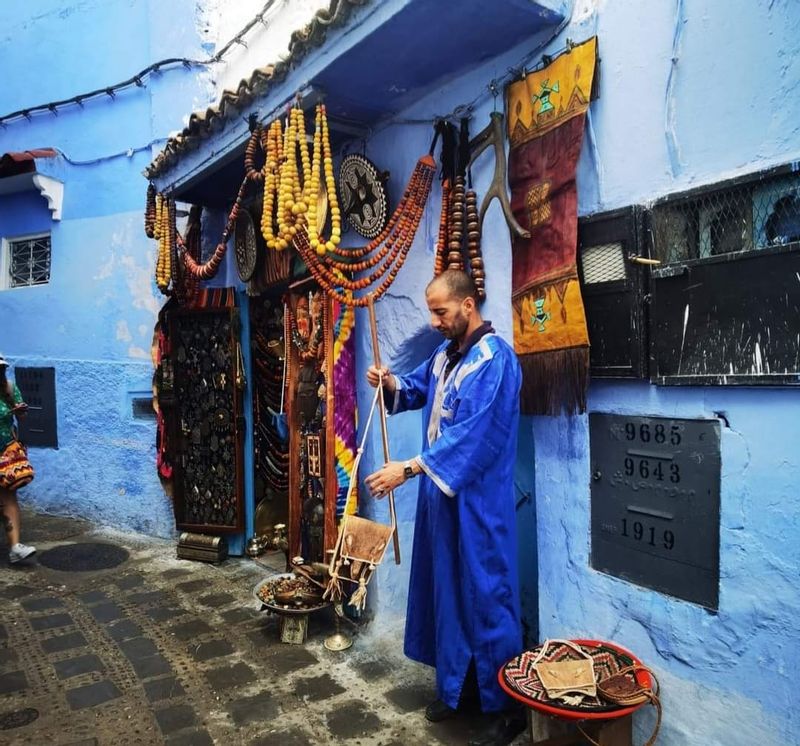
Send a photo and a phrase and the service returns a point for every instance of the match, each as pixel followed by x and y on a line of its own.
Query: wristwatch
pixel 408 470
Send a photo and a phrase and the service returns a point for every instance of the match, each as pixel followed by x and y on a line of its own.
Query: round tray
pixel 519 680
pixel 277 608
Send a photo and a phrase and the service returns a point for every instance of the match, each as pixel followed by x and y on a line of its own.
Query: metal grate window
pixel 747 214
pixel 29 261
pixel 603 263
pixel 142 408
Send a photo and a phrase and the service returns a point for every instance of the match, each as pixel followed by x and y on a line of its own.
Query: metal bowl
pixel 278 608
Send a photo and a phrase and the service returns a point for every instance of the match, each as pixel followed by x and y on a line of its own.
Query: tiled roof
pixel 23 161
pixel 203 124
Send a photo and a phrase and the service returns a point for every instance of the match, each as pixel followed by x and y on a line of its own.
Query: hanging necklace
pixel 391 246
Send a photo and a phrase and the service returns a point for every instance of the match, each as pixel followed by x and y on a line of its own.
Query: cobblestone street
pixel 160 650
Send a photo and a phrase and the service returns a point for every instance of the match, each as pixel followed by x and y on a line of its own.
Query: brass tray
pixel 277 608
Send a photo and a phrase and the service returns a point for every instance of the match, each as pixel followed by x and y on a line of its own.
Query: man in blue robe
pixel 463 613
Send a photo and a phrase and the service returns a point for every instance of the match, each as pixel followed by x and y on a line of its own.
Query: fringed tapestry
pixel 344 419
pixel 545 126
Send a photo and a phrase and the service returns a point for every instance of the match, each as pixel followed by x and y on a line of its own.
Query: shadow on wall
pixel 416 349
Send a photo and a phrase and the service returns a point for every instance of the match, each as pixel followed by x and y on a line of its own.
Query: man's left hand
pixel 387 478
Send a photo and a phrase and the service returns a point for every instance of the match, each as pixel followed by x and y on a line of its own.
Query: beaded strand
pixel 405 222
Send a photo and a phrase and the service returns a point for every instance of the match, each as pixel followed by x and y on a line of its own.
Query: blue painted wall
pixel 692 91
pixel 727 677
pixel 728 107
pixel 94 320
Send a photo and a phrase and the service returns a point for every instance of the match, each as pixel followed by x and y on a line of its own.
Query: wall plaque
pixel 655 503
pixel 39 427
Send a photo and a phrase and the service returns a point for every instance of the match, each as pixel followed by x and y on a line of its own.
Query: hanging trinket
pixel 363 194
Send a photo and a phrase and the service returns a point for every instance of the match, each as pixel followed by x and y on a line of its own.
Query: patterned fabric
pixel 344 417
pixel 545 126
pixel 15 469
pixel 7 418
pixel 214 298
pixel 520 675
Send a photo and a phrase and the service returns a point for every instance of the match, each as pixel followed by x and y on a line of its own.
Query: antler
pixel 492 134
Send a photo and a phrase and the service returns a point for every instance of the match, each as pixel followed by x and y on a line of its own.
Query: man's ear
pixel 469 304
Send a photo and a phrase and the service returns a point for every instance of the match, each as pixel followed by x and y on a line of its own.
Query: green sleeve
pixel 17 395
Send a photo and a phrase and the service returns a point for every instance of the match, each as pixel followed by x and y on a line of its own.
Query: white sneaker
pixel 20 552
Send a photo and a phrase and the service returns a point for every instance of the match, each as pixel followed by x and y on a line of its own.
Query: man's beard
pixel 457 328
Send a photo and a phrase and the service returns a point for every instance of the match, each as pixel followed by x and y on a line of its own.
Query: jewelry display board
pixel 270 421
pixel 208 438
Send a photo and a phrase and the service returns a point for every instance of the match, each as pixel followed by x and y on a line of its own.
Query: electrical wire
pixel 673 149
pixel 141 77
pixel 128 153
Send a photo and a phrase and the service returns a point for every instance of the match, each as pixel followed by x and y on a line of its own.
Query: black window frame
pixel 625 226
pixel 727 287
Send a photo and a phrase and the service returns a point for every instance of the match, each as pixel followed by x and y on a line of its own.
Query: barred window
pixel 754 212
pixel 28 261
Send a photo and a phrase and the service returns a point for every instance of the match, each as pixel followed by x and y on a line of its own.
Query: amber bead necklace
pixel 399 235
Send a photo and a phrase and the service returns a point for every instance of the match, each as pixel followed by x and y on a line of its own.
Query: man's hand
pixel 375 375
pixel 387 478
pixel 20 408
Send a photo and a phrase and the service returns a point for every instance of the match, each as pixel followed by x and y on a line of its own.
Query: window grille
pixel 747 214
pixel 142 408
pixel 29 261
pixel 603 263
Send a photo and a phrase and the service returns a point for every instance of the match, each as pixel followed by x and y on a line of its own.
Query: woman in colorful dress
pixel 15 469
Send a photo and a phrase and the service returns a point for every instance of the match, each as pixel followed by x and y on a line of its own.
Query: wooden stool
pixel 550 731
pixel 553 724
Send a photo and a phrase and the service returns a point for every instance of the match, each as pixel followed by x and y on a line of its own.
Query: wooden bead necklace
pixel 455 259
pixel 185 284
pixel 459 224
pixel 474 244
pixel 391 246
pixel 150 212
pixel 441 241
pixel 399 236
pixel 207 270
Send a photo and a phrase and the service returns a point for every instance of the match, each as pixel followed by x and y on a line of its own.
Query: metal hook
pixel 493 89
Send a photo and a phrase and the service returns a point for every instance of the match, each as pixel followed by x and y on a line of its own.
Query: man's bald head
pixel 457 284
pixel 453 304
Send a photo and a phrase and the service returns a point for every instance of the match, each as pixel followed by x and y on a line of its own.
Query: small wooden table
pixel 551 724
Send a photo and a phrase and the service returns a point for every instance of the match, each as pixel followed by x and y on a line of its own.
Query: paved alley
pixel 157 650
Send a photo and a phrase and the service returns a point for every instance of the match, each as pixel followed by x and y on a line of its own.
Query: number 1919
pixel 639 532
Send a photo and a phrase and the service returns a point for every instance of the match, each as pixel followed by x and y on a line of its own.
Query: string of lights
pixel 140 79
